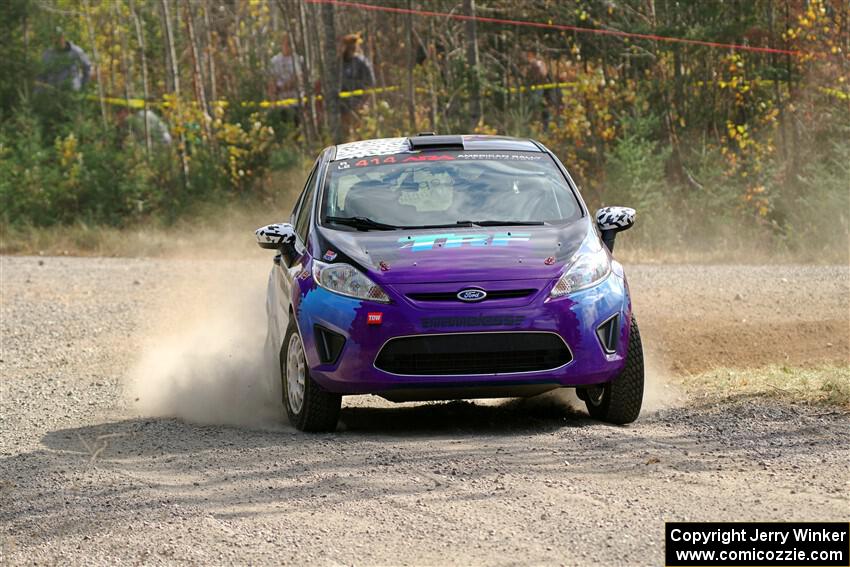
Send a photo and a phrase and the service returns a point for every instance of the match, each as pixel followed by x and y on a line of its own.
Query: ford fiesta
pixel 446 267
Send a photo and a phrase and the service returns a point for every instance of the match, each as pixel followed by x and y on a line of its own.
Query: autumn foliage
pixel 709 143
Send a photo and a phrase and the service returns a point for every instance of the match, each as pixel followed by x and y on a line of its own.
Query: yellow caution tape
pixel 287 102
pixel 835 92
pixel 542 87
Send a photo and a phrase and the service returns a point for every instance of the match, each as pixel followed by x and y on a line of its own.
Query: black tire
pixel 319 409
pixel 619 401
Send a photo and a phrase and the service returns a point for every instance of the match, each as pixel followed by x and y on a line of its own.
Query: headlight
pixel 586 270
pixel 347 280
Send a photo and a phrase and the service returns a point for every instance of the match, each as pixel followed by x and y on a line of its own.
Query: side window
pixel 297 206
pixel 302 214
pixel 304 191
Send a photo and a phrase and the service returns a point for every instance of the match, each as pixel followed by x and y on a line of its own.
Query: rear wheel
pixel 619 401
pixel 308 405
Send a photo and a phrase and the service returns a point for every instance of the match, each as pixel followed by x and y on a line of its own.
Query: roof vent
pixel 430 141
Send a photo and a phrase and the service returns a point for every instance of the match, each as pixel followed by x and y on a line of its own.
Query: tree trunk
pixel 197 78
pixel 97 65
pixel 125 63
pixel 140 37
pixel 433 70
pixel 795 137
pixel 777 90
pixel 411 63
pixel 170 48
pixel 310 60
pixel 175 78
pixel 332 76
pixel 472 64
pixel 307 49
pixel 298 55
pixel 210 52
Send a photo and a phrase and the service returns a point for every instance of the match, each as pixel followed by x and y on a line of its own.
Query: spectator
pixel 65 65
pixel 284 78
pixel 357 73
pixel 537 73
pixel 135 125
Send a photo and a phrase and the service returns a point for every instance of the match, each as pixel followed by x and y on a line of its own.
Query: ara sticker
pixel 429 157
pixel 549 261
pixel 384 266
pixel 374 318
pixel 330 256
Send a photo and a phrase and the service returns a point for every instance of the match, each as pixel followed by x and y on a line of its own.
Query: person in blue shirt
pixel 65 65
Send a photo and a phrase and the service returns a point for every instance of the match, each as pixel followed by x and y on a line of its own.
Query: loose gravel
pixel 89 474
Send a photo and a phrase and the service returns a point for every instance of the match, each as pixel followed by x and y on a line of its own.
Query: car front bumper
pixel 575 319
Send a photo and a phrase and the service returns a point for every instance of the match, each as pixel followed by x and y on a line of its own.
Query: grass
pixel 820 385
pixel 208 231
pixel 200 238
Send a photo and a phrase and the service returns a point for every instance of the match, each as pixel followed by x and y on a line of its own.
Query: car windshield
pixel 447 188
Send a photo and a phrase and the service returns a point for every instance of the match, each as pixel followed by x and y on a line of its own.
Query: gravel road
pixel 98 353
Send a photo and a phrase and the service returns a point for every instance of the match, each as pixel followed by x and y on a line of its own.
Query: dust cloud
pixel 659 393
pixel 660 390
pixel 201 348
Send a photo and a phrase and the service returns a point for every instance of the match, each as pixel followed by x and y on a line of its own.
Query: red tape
pixel 562 27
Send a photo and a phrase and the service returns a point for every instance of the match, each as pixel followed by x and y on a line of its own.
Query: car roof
pixel 385 146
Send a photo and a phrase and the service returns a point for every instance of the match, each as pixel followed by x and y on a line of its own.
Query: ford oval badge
pixel 471 295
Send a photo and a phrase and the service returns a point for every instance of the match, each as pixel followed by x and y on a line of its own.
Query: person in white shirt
pixel 284 74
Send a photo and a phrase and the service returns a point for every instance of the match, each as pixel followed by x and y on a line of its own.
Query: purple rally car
pixel 446 267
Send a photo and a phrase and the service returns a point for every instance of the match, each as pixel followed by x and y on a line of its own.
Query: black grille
pixel 452 295
pixel 473 353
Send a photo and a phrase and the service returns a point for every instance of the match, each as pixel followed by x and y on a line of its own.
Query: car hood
pixel 456 254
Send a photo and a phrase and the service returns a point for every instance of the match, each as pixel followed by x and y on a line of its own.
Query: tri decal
pixel 451 240
pixel 329 256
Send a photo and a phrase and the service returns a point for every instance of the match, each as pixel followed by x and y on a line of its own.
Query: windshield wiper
pixel 462 224
pixel 503 223
pixel 361 223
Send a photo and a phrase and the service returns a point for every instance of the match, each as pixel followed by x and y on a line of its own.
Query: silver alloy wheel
pixel 296 373
pixel 595 394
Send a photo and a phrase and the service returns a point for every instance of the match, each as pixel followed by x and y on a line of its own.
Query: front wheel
pixel 308 405
pixel 619 401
